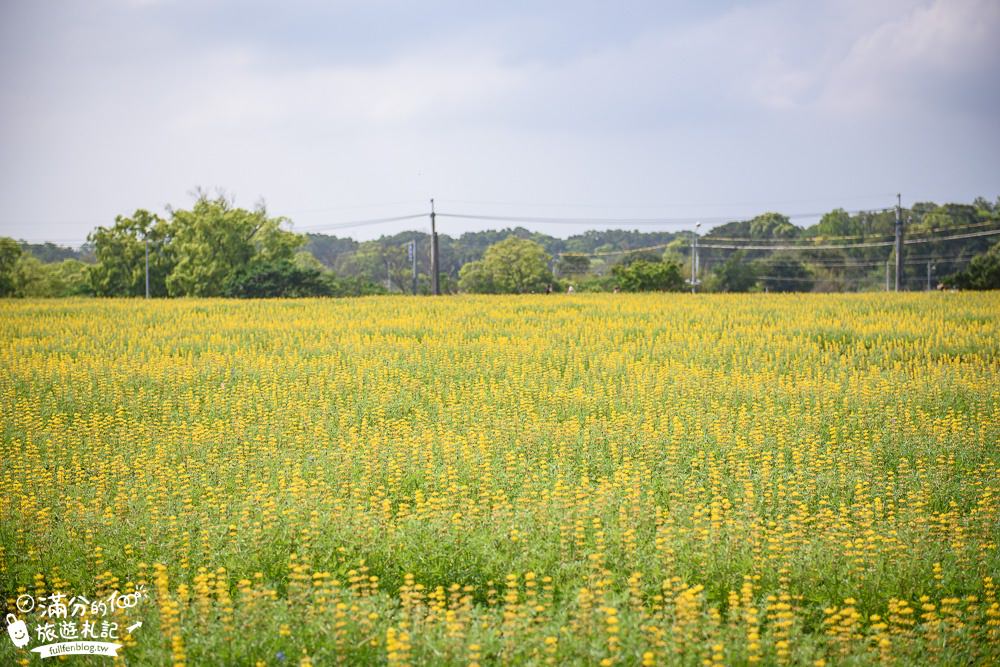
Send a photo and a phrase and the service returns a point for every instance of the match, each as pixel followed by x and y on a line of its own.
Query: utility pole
pixel 887 275
pixel 435 259
pixel 694 257
pixel 899 240
pixel 929 268
pixel 147 267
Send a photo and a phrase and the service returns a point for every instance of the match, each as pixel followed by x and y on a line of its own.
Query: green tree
pixel 306 260
pixel 31 279
pixel 215 240
pixel 645 276
pixel 837 222
pixel 633 256
pixel 573 265
pixel 50 253
pixel 278 278
pixel 772 226
pixel 982 273
pixel 70 277
pixel 120 251
pixel 512 266
pixel 736 274
pixel 10 253
pixel 784 273
pixel 375 261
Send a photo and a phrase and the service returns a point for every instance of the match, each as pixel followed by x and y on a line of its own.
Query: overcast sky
pixel 337 111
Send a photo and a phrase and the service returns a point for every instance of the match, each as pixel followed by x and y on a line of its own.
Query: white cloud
pixel 768 101
pixel 247 95
pixel 916 59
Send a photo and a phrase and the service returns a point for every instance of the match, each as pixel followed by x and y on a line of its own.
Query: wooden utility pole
pixel 899 240
pixel 435 258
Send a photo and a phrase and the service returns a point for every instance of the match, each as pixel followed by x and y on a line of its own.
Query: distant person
pixel 617 289
pixel 548 289
pixel 570 290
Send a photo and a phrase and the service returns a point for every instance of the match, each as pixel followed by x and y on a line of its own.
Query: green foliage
pixel 836 223
pixel 200 251
pixel 10 253
pixel 784 273
pixel 274 279
pixel 512 266
pixel 600 240
pixel 31 278
pixel 375 262
pixel 648 256
pixel 34 279
pixel 983 272
pixel 120 251
pixel 306 260
pixel 736 274
pixel 331 251
pixel 645 276
pixel 592 283
pixel 50 253
pixel 772 226
pixel 24 275
pixel 70 277
pixel 570 265
pixel 214 241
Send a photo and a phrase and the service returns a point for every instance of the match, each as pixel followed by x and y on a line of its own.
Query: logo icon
pixel 18 631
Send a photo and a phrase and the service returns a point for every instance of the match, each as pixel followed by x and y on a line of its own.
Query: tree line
pixel 218 249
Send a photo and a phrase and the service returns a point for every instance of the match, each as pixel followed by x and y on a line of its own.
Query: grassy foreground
pixel 589 479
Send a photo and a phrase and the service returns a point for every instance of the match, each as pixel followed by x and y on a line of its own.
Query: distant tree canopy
pixel 512 266
pixel 772 226
pixel 10 253
pixel 120 252
pixel 982 273
pixel 643 275
pixel 215 248
pixel 784 273
pixel 736 274
pixel 24 275
pixel 214 241
pixel 50 253
pixel 212 249
pixel 569 265
pixel 276 278
pixel 835 224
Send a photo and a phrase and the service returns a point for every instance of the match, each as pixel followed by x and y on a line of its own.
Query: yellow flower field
pixel 591 479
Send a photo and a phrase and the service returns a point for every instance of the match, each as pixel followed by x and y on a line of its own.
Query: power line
pixel 873 263
pixel 362 223
pixel 664 221
pixel 611 253
pixel 838 246
pixel 574 221
pixel 989 232
pixel 764 204
pixel 847 246
pixel 353 207
pixel 857 236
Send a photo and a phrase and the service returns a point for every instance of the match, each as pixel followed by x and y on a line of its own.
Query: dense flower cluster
pixel 599 479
